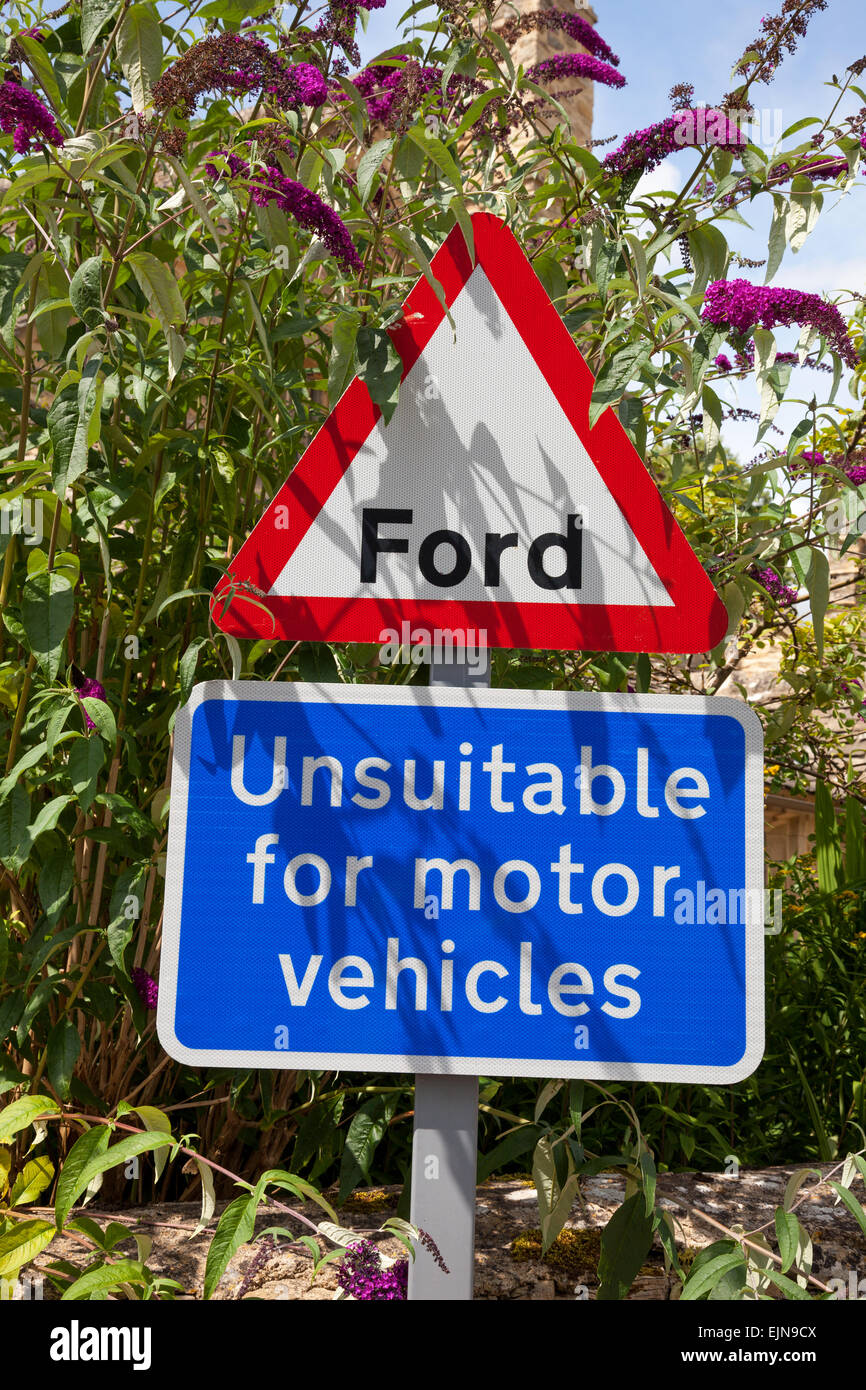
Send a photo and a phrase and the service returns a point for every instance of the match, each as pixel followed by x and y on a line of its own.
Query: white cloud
pixel 666 178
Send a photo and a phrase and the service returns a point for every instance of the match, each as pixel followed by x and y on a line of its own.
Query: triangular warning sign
pixel 485 504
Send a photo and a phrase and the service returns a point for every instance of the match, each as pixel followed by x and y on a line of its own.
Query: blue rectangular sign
pixel 490 882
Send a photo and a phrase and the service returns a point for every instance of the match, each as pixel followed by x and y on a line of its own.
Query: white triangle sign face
pixel 485 505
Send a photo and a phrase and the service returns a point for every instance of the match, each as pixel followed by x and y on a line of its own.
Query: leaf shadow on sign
pixel 478 446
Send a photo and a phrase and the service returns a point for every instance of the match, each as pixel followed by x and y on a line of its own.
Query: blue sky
pixel 659 46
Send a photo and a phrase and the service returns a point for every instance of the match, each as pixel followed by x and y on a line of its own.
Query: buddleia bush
pixel 209 221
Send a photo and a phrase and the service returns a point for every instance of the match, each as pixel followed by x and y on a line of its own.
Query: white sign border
pixel 570 1069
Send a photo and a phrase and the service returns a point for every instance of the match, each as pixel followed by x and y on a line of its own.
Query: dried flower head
pixel 237 65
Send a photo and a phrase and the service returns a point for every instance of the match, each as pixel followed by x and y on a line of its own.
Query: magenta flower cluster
pixel 564 65
pixel 146 987
pixel 360 1274
pixel 268 184
pixel 23 116
pixel 86 688
pixel 739 306
pixel 769 580
pixel 854 471
pixel 644 150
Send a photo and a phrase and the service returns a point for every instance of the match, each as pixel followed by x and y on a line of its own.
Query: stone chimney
pixel 539 44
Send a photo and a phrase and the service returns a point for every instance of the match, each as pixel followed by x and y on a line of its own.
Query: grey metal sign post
pixel 445 1137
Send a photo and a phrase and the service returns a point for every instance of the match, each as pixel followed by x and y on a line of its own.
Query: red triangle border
pixel 696 622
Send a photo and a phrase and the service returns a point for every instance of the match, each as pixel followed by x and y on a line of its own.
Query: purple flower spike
pixel 23 116
pixel 361 1276
pixel 148 989
pixel 269 184
pixel 740 306
pixel 575 65
pixel 769 580
pixel 644 150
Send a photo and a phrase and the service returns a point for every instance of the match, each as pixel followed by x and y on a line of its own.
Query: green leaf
pixel 365 1133
pixel 615 376
pixel 804 208
pixel 22 1244
pixel 225 487
pixel 475 111
pixel 95 1283
pixel 27 760
pixel 855 844
pixel 188 662
pixel 14 829
pixel 625 1244
pixel 552 277
pixel 159 287
pixel 709 255
pixel 380 367
pixel 519 1142
pixel 704 1278
pixel 40 64
pixel 85 291
pixel 139 50
pixel 408 244
pixel 208 1195
pixel 64 1045
pixel 341 365
pixel 788 1286
pixel 438 153
pixel 68 428
pixel 34 1177
pixel 778 241
pixel 370 164
pixel 48 817
pixel 86 758
pixel 235 1228
pixel 787 1234
pixel 157 1122
pixel 795 1182
pixel 47 604
pixel 818 585
pixel 103 1159
pixel 852 1204
pixel 86 1148
pixel 103 717
pixel 124 914
pixel 13 266
pixel 95 14
pixel 23 1112
pixel 828 851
